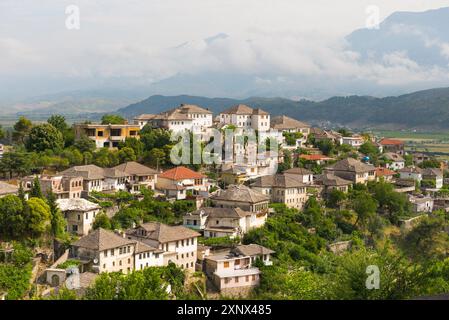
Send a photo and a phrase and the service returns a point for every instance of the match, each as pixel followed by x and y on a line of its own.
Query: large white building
pixel 246 117
pixel 186 117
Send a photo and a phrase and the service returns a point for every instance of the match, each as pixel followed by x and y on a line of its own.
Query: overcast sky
pixel 149 40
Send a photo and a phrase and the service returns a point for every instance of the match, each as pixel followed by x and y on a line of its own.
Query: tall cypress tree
pixel 56 218
pixel 36 191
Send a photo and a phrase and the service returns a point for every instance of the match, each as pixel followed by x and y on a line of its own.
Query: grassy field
pixel 436 143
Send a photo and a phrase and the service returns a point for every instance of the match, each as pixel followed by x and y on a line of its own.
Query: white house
pixel 178 243
pixel 223 222
pixel 246 117
pixel 138 176
pixel 394 161
pixel 79 214
pixel 176 182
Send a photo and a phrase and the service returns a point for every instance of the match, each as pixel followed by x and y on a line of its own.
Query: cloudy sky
pixel 146 41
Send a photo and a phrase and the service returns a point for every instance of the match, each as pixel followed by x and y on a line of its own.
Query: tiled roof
pixel 285 123
pixel 353 165
pixel 240 193
pixel 242 109
pixel 76 205
pixel 145 117
pixel 164 233
pixel 278 180
pixel 142 247
pixel 135 168
pixel 102 239
pixel 6 188
pixel 432 172
pixel 181 173
pixel 391 142
pixel 314 157
pixel 381 172
pixel 416 170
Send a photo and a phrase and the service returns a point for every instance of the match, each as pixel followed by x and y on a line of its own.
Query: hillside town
pixel 93 199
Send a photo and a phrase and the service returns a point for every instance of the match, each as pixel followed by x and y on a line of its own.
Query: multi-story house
pixel 301 174
pixel 222 222
pixel 411 173
pixel 434 175
pixel 138 176
pixel 98 179
pixel 232 271
pixel 392 145
pixel 177 182
pixel 64 187
pixel 330 182
pixel 421 204
pixel 107 135
pixel 394 161
pixel 243 197
pixel 178 243
pixel 354 141
pixel 147 256
pixel 283 188
pixel 184 118
pixel 385 174
pixel 326 135
pixel 287 125
pixel 353 170
pixel 8 189
pixel 2 150
pixel 79 214
pixel 104 251
pixel 242 116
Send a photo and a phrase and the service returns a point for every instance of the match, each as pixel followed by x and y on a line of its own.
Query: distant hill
pixel 427 109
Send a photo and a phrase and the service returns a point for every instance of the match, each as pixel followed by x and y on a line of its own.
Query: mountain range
pixel 428 109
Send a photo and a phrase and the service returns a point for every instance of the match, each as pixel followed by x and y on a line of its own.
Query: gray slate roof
pixel 240 193
pixel 279 181
pixel 6 188
pixel 353 165
pixel 102 239
pixel 164 233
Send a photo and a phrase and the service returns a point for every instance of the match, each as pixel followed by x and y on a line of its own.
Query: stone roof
pixel 181 173
pixel 298 171
pixel 434 172
pixel 331 180
pixel 102 239
pixel 82 205
pixel 212 212
pixel 6 188
pixel 135 168
pixel 240 193
pixel 88 172
pixel 164 233
pixel 286 123
pixel 142 247
pixel 192 108
pixel 415 170
pixel 393 157
pixel 279 181
pixel 353 165
pixel 113 173
pixel 242 109
pixel 145 117
pixel 252 250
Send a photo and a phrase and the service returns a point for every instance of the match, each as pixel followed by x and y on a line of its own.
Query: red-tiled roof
pixel 314 157
pixel 181 173
pixel 381 172
pixel 390 142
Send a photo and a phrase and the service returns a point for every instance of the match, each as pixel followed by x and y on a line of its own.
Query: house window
pixel 236 279
pixel 247 278
pixel 226 264
pixel 237 262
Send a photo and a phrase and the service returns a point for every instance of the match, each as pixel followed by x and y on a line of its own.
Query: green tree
pixel 2 133
pixel 85 144
pixel 102 221
pixel 22 129
pixel 335 198
pixel 428 240
pixel 12 221
pixel 364 206
pixel 156 157
pixel 59 122
pixel 37 217
pixel 112 119
pixel 45 137
pixel 36 191
pixel 56 219
pixel 127 154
